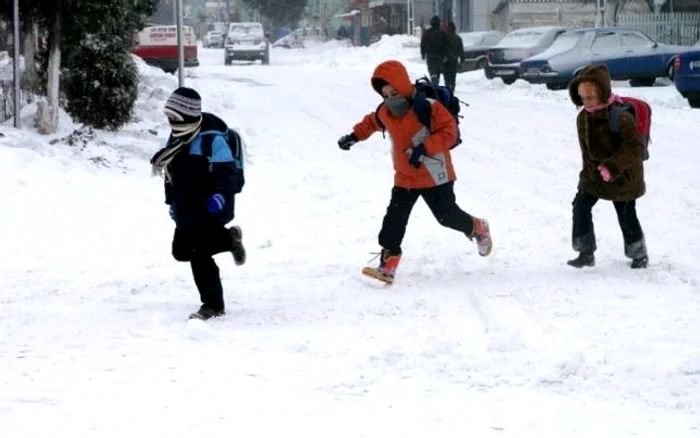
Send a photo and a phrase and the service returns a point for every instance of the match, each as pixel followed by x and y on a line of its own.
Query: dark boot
pixel 640 263
pixel 238 251
pixel 583 259
pixel 204 313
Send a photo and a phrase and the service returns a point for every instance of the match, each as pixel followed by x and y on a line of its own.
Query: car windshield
pixel 522 38
pixel 244 29
pixel 566 42
pixel 471 40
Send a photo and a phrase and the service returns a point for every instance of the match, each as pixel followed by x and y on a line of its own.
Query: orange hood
pixel 394 74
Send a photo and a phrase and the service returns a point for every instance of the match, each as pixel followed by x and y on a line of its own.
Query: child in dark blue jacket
pixel 203 172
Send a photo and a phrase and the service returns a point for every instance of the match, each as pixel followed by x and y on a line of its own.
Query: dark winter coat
pixel 196 176
pixel 622 154
pixel 455 48
pixel 434 43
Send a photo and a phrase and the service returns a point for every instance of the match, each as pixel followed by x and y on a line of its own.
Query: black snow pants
pixel 440 200
pixel 583 234
pixel 198 246
pixel 434 62
pixel 449 69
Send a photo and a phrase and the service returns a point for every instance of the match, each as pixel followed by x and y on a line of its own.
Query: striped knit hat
pixel 184 106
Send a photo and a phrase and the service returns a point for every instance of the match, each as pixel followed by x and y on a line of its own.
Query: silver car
pixel 475 46
pixel 504 59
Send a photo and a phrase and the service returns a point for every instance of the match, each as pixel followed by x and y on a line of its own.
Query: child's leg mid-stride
pixel 392 233
pixel 441 201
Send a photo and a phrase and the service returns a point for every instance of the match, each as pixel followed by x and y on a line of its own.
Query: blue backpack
pixel 233 140
pixel 425 90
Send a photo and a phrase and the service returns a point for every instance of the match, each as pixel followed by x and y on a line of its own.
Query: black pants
pixel 583 234
pixel 434 67
pixel 449 69
pixel 440 200
pixel 197 246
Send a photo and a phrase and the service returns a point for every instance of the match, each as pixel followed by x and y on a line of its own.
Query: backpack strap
pixel 423 109
pixel 616 111
pixel 208 139
pixel 379 120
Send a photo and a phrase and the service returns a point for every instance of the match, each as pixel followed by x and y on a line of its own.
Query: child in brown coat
pixel 612 170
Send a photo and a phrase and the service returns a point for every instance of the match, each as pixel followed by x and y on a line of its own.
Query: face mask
pixel 397 105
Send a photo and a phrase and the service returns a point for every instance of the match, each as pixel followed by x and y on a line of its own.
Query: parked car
pixel 300 38
pixel 213 39
pixel 503 60
pixel 475 46
pixel 687 75
pixel 628 53
pixel 246 41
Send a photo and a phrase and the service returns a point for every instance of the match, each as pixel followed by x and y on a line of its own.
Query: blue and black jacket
pixel 202 168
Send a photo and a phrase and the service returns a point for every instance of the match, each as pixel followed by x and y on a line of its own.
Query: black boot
pixel 640 263
pixel 583 259
pixel 238 251
pixel 206 312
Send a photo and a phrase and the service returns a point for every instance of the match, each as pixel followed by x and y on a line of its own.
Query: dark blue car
pixel 687 76
pixel 628 53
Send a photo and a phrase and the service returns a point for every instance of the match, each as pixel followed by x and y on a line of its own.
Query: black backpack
pixel 425 90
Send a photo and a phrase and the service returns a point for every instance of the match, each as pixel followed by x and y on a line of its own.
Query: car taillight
pixel 488 57
pixel 677 63
pixel 229 41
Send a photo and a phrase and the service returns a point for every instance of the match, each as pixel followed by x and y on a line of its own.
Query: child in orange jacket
pixel 422 164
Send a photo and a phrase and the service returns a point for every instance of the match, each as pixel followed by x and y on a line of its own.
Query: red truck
pixel 157 46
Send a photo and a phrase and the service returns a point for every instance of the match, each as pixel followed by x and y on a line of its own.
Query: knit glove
pixel 417 154
pixel 215 203
pixel 605 173
pixel 347 141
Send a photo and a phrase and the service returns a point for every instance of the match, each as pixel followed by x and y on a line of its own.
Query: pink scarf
pixel 612 99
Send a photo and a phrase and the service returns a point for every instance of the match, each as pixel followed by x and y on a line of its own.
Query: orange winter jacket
pixel 407 131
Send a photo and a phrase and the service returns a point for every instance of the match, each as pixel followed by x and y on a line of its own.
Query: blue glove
pixel 216 203
pixel 171 212
pixel 417 154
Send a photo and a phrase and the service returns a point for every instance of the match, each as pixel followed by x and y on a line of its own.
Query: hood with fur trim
pixel 596 74
pixel 393 73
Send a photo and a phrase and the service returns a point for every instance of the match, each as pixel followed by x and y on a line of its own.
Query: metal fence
pixel 681 28
pixel 7 102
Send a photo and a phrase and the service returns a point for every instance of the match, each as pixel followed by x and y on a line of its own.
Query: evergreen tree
pixel 279 12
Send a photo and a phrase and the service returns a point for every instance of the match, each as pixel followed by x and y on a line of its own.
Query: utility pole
pixel 15 61
pixel 180 45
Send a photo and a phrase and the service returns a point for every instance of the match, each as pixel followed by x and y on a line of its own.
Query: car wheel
pixel 508 81
pixel 557 86
pixel 694 103
pixel 671 72
pixel 227 61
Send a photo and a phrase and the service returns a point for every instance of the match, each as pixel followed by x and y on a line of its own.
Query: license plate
pixel 695 64
pixel 505 72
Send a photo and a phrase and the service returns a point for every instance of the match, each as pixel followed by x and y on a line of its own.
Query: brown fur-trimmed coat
pixel 621 153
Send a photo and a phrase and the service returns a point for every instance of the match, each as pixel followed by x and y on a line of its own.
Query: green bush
pixel 100 86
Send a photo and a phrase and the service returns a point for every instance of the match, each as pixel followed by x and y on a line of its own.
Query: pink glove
pixel 604 173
